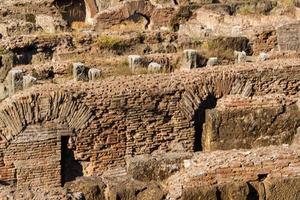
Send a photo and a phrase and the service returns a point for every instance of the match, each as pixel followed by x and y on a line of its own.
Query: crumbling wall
pixel 145 115
pixel 239 174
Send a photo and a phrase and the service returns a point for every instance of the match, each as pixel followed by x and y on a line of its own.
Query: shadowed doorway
pixel 70 168
pixel 199 119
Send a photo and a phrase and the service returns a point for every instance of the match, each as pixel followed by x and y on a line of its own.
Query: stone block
pixel 282 189
pixel 28 81
pixel 6 64
pixel 80 72
pixel 94 74
pixel 253 125
pixel 190 57
pixel 240 56
pixel 263 56
pixel 154 67
pixel 46 22
pixel 212 61
pixel 135 61
pixel 15 81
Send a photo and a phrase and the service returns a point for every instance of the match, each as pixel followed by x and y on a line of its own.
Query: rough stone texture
pixel 189 59
pixel 220 24
pixel 158 168
pixel 80 72
pixel 145 115
pixel 94 74
pixel 289 37
pixel 91 188
pixel 135 62
pixel 46 22
pixel 15 81
pixel 7 63
pixel 28 81
pixel 252 122
pixel 232 172
pixel 284 188
pixel 154 67
pixel 212 61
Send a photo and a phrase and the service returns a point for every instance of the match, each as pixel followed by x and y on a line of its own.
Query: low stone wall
pixel 252 122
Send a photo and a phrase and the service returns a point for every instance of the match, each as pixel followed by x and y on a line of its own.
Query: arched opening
pixel 199 119
pixel 72 10
pixel 136 21
pixel 70 167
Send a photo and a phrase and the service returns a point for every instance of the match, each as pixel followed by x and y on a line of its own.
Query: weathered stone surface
pixel 47 23
pixel 94 74
pixel 135 62
pixel 239 174
pixel 240 57
pixel 212 61
pixel 28 81
pixel 189 59
pixel 200 193
pixel 252 122
pixel 263 56
pixel 147 168
pixel 154 67
pixel 7 63
pixel 15 81
pixel 288 37
pixel 91 188
pixel 80 72
pixel 282 188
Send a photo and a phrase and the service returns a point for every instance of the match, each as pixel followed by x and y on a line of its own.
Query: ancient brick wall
pixel 122 117
pixel 35 150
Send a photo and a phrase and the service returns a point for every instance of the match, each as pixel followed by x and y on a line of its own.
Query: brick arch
pixel 63 108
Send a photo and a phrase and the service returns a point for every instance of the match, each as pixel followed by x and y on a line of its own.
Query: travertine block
pixel 28 81
pixel 80 72
pixel 94 74
pixel 15 81
pixel 189 59
pixel 240 57
pixel 154 67
pixel 135 61
pixel 212 61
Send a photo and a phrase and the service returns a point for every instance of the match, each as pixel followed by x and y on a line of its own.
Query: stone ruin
pixel 152 100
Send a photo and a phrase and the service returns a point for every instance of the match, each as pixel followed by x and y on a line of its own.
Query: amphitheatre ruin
pixel 150 99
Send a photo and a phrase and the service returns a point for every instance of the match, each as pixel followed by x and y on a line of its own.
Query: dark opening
pixel 199 119
pixel 136 17
pixel 70 168
pixel 262 177
pixel 72 10
pixel 253 193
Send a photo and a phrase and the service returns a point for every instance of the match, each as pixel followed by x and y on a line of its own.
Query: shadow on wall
pixel 72 10
pixel 70 168
pixel 199 119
